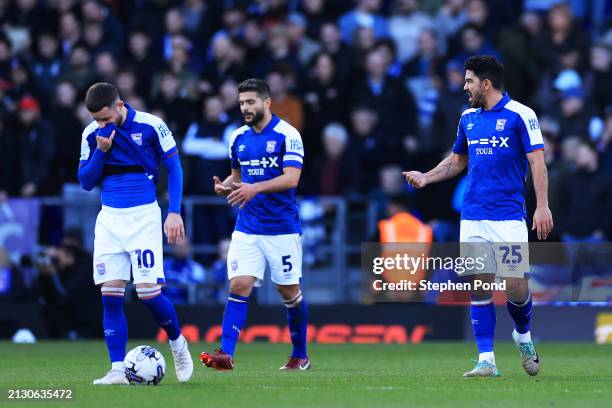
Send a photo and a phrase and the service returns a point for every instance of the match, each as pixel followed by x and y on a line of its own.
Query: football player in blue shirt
pixel 497 140
pixel 266 158
pixel 122 149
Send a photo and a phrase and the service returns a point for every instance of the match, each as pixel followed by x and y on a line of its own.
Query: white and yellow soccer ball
pixel 144 365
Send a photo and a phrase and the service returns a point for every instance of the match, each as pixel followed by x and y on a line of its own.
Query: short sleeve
pixel 164 135
pixel 235 163
pixel 529 131
pixel 460 146
pixel 86 146
pixel 294 149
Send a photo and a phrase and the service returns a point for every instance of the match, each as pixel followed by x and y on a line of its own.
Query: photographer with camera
pixel 67 294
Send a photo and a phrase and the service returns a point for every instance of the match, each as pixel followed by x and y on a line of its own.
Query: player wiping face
pixel 117 114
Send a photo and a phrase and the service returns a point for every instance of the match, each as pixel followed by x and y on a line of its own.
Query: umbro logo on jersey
pixel 241 148
pixel 137 138
pixel 470 126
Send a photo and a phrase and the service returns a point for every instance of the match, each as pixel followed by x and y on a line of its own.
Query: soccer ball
pixel 144 365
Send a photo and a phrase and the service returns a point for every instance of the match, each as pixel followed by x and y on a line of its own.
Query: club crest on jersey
pixel 470 126
pixel 137 138
pixel 500 125
pixel 101 268
pixel 270 146
pixel 241 148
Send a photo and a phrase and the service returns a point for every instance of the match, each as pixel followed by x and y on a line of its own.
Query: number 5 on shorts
pixel 287 266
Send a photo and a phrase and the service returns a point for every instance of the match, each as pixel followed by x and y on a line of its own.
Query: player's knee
pixel 517 290
pixel 146 292
pixel 242 285
pixel 288 292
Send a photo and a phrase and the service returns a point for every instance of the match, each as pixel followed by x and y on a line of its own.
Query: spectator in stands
pixel 95 13
pixel 183 274
pixel 228 93
pixel 178 109
pixel 5 56
pixel 26 147
pixel 70 32
pixel 324 100
pixel 288 107
pixel 68 143
pixel 474 42
pixel 143 59
pixel 586 191
pixel 517 46
pixel 333 172
pixel 207 142
pixel 305 47
pixel 450 105
pixel 207 145
pixel 79 70
pixel 366 14
pixel 332 44
pixel 563 45
pixel 600 79
pixel 405 26
pixel 604 143
pixel 369 144
pixel 423 75
pixel 314 11
pixel 449 20
pixel 106 67
pixel 389 99
pixel 68 296
pixel 46 63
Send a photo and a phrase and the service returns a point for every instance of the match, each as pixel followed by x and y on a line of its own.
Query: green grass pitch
pixel 352 376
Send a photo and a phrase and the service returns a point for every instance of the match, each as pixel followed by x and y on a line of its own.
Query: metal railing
pixel 327 275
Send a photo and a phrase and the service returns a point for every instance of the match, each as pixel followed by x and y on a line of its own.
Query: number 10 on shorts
pixel 145 258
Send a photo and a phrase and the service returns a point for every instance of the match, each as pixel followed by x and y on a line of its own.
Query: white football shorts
pixel 502 246
pixel 129 239
pixel 249 255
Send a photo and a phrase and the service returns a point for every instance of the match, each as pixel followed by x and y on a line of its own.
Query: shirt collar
pixel 502 102
pixel 273 122
pixel 130 117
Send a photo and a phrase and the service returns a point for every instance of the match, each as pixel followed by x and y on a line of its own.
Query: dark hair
pixel 100 95
pixel 255 85
pixel 486 67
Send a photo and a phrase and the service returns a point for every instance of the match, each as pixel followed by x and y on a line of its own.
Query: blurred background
pixel 373 86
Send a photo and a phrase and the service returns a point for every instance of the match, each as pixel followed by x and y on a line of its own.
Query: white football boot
pixel 183 364
pixel 113 377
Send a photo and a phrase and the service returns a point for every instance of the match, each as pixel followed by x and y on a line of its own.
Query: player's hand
pixel 242 194
pixel 220 188
pixel 174 228
pixel 105 143
pixel 542 222
pixel 415 178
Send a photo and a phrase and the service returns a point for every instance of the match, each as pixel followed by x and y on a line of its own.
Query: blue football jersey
pixel 151 136
pixel 263 156
pixel 497 142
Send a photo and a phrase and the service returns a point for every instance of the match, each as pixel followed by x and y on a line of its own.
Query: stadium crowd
pixel 374 86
